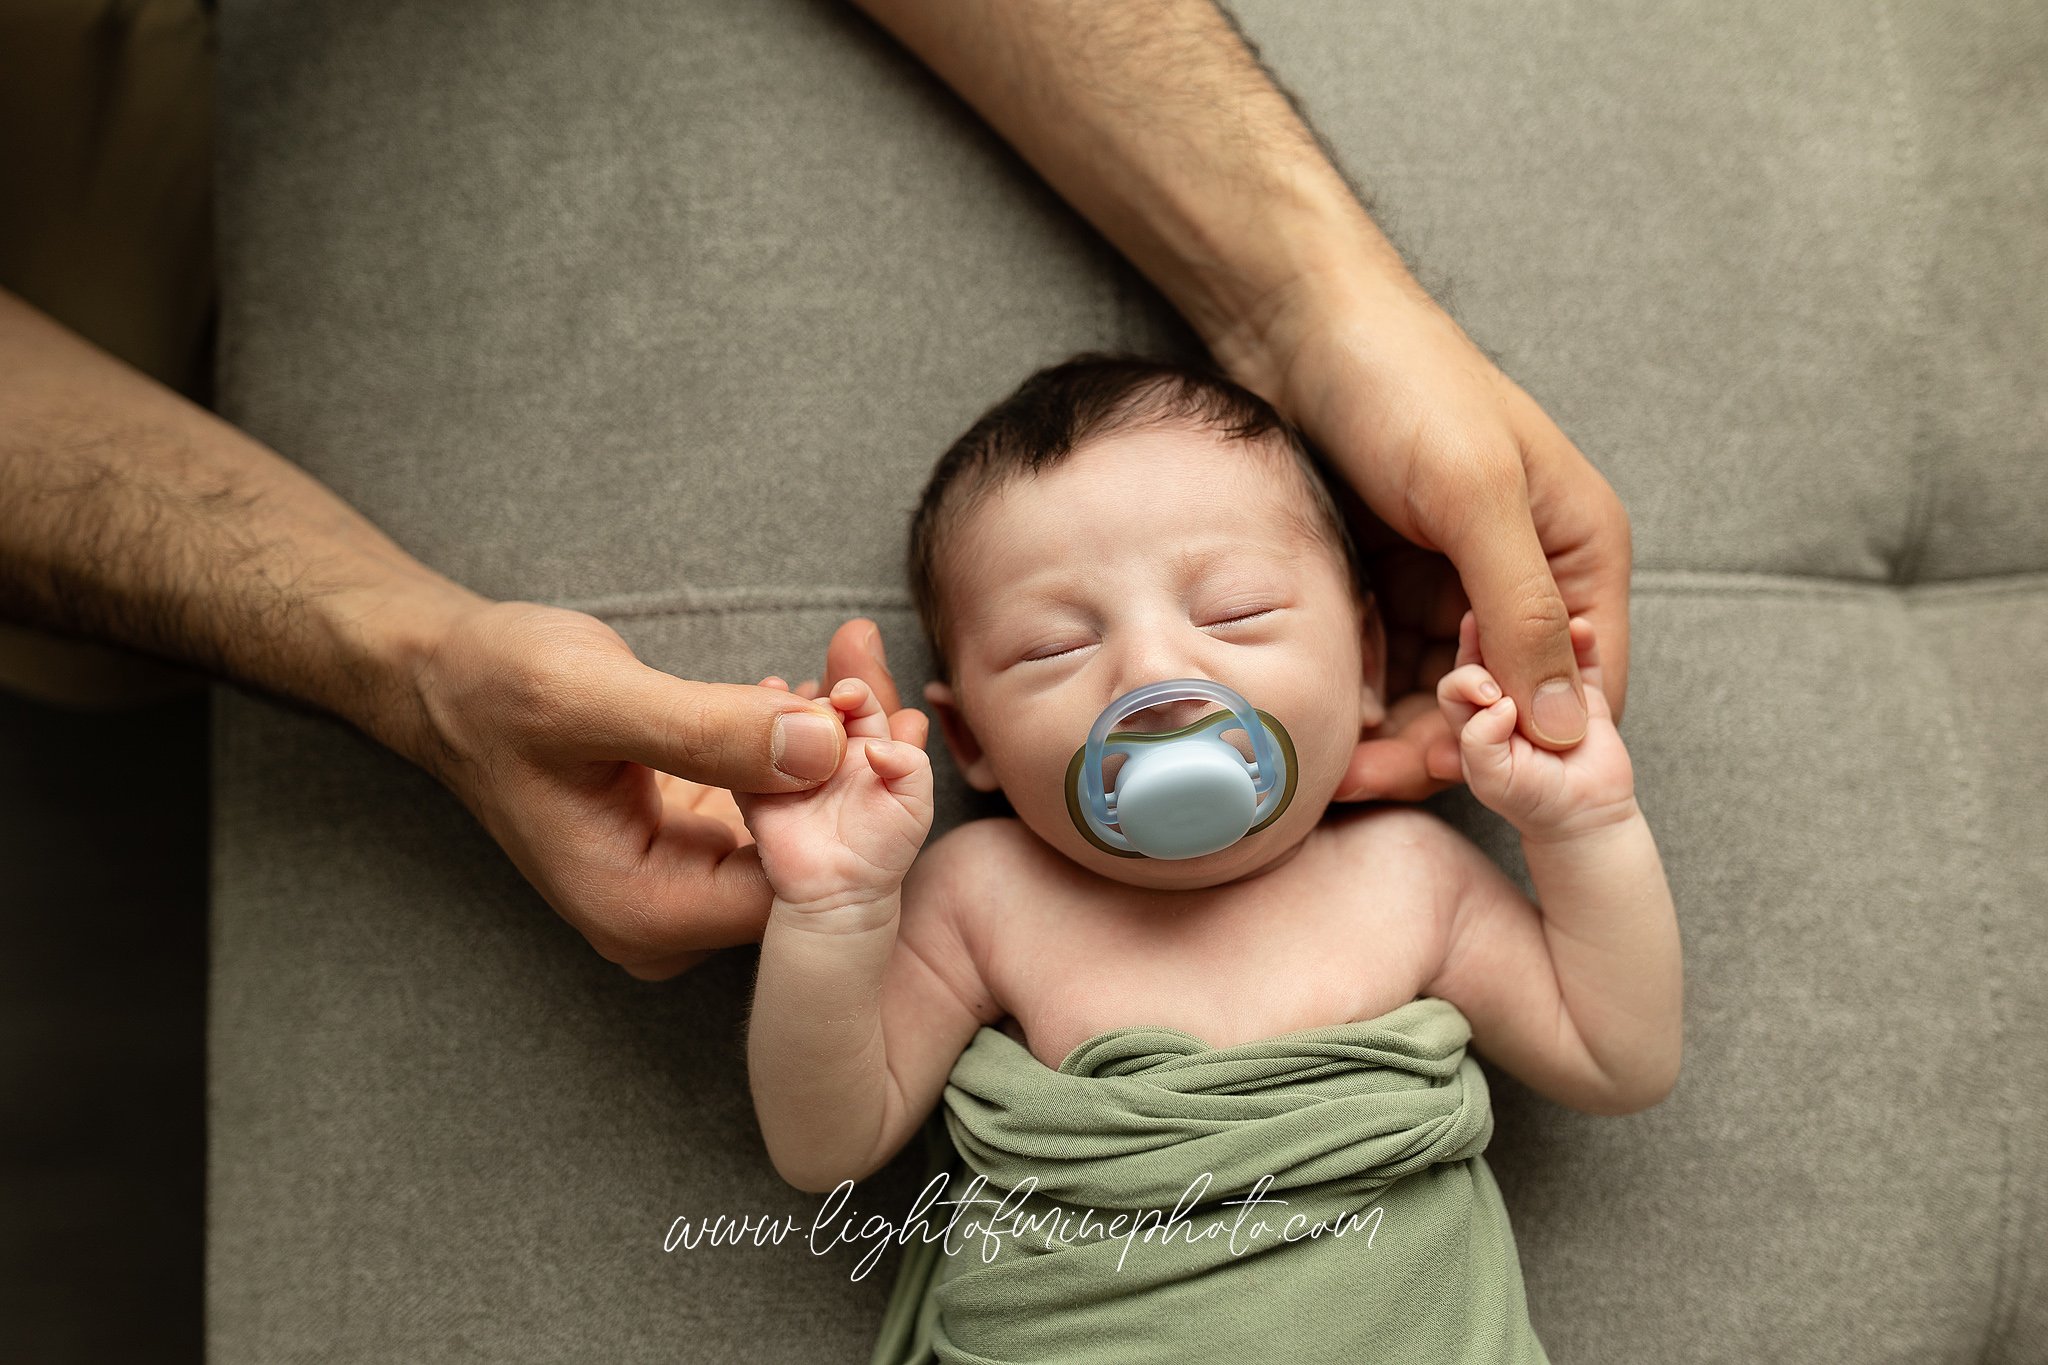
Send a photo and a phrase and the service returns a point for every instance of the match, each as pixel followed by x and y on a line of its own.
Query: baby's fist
pixel 1539 792
pixel 853 837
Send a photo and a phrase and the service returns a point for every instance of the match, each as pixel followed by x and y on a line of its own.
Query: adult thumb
pixel 732 735
pixel 1524 626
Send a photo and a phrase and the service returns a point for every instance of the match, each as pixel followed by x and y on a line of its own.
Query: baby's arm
pixel 866 995
pixel 1581 998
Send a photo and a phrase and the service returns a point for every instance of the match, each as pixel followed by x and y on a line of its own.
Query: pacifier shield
pixel 1187 792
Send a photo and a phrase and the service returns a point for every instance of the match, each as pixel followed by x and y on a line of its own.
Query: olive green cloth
pixel 1319 1196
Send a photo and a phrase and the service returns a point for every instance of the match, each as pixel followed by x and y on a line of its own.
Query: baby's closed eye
pixel 1235 618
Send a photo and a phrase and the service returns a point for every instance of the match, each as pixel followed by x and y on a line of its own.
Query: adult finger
pixel 1398 767
pixel 743 738
pixel 856 652
pixel 702 893
pixel 667 967
pixel 910 725
pixel 1586 534
pixel 691 893
pixel 1524 626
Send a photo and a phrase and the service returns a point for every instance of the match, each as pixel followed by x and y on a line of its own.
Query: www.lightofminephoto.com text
pixel 982 1215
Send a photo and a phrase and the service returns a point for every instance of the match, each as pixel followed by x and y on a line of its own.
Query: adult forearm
pixel 1157 122
pixel 130 515
pixel 1613 935
pixel 815 1055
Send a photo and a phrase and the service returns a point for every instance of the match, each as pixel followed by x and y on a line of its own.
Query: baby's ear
pixel 967 754
pixel 1372 701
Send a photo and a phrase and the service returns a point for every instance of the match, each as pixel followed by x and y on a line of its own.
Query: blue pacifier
pixel 1185 792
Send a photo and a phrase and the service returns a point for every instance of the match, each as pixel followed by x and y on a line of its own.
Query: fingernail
pixel 875 648
pixel 1559 716
pixel 1489 691
pixel 805 745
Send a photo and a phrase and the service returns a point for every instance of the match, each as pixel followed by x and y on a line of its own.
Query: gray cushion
pixel 662 309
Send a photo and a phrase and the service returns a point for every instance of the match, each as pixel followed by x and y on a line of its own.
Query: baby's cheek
pixel 1326 749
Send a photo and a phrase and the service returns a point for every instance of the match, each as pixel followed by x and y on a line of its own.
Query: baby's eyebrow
pixel 1046 590
pixel 1186 564
pixel 1190 560
pixel 1007 604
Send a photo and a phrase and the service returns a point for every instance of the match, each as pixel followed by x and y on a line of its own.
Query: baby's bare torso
pixel 1350 926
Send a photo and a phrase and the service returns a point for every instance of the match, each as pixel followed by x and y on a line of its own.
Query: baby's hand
pixel 851 838
pixel 1541 793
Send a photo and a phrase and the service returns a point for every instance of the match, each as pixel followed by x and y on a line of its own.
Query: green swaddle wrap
pixel 1371 1129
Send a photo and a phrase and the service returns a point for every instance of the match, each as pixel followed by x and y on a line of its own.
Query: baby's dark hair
pixel 1060 408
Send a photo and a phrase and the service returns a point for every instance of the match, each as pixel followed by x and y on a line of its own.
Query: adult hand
pixel 607 781
pixel 1481 502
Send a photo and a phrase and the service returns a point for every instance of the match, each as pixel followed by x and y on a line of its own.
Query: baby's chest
pixel 1232 973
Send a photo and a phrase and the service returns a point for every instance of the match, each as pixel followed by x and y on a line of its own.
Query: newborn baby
pixel 1118 522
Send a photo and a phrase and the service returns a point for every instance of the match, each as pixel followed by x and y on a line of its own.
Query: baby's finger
pixel 772 681
pixel 809 688
pixel 860 709
pixel 1461 694
pixel 1468 683
pixel 891 759
pixel 1452 700
pixel 1484 745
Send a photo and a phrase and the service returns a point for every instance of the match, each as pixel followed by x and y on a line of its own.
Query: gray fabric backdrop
pixel 663 308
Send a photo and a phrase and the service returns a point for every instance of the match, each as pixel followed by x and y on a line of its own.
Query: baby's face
pixel 1163 552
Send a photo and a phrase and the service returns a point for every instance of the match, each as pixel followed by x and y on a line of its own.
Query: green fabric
pixel 1388 1115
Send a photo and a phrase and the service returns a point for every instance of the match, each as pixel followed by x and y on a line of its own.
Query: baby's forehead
pixel 1136 471
pixel 1025 516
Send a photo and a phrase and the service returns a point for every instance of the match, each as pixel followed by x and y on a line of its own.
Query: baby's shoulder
pixel 1415 854
pixel 1389 823
pixel 957 873
pixel 952 900
pixel 990 837
pixel 980 844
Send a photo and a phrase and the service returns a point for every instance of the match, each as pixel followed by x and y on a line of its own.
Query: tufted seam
pixel 729 600
pixel 1679 582
pixel 1672 582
